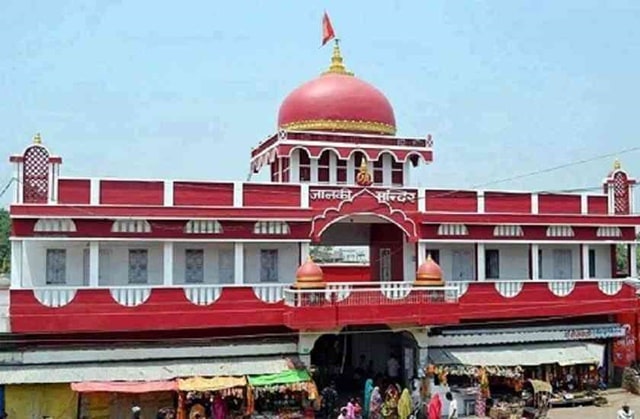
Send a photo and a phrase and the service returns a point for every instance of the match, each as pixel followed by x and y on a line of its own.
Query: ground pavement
pixel 616 399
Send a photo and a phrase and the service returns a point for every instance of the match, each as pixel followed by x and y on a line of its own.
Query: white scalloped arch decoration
pixel 561 288
pixel 269 294
pixel 560 231
pixel 55 298
pixel 463 287
pixel 203 227
pixel 54 225
pixel 610 287
pixel 129 296
pixel 609 231
pixel 396 291
pixel 203 296
pixel 338 292
pixel 131 226
pixel 509 289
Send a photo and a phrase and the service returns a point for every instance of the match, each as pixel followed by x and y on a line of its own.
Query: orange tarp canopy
pixel 124 386
pixel 211 384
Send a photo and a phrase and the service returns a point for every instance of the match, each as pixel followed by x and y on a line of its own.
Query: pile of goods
pixel 631 380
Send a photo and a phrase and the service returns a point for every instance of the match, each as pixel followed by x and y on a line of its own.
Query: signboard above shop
pixel 533 334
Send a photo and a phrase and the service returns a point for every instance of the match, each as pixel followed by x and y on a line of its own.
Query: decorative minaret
pixel 619 188
pixel 36 173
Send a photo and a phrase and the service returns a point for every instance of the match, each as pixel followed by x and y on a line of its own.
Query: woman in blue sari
pixel 368 389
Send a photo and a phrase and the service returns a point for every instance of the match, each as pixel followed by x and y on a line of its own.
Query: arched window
pixel 304 165
pixel 324 166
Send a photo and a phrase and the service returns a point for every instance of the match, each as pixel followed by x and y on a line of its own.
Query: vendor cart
pixel 536 395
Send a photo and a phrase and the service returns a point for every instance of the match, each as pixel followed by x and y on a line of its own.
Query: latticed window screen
pixel 35 174
pixel 194 266
pixel 621 193
pixel 56 267
pixel 269 265
pixel 226 268
pixel 138 266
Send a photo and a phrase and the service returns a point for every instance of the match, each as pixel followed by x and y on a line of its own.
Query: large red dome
pixel 337 101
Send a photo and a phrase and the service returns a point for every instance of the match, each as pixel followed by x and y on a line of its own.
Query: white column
pixel 304 252
pixel 314 170
pixel 94 198
pixel 51 181
pixel 534 203
pixel 18 182
pixel 480 262
pixel 333 168
pixel 409 259
pixel 481 201
pixel 584 204
pixel 16 264
pixel 238 194
pixel 406 173
pixel 633 261
pixel 422 252
pixel 351 167
pixel 585 261
pixel 238 269
pixel 535 274
pixel 386 169
pixel 294 167
pixel 168 263
pixel 168 193
pixel 94 264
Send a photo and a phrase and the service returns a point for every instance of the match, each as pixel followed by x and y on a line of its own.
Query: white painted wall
pixel 603 260
pixel 288 261
pixel 547 271
pixel 34 262
pixel 117 265
pixel 514 260
pixel 446 258
pixel 211 261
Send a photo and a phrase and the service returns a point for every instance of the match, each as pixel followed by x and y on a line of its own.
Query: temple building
pixel 334 261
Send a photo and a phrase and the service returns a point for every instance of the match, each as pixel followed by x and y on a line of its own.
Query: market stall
pixel 286 395
pixel 108 399
pixel 219 397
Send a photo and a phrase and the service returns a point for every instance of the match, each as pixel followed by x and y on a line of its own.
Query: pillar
pixel 304 252
pixel 168 263
pixel 333 168
pixel 314 170
pixel 585 261
pixel 480 262
pixel 17 247
pixel 94 264
pixel 238 269
pixel 633 261
pixel 422 252
pixel 535 263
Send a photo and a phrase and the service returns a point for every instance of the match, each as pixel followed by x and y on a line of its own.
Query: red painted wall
pixel 203 193
pixel 597 204
pixel 558 204
pixel 507 202
pixel 346 273
pixel 451 201
pixel 74 191
pixel 128 192
pixel 386 236
pixel 264 195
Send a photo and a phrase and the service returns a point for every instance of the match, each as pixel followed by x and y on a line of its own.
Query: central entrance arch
pixel 356 354
pixel 365 248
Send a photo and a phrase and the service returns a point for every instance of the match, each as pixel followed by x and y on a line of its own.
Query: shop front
pixel 486 378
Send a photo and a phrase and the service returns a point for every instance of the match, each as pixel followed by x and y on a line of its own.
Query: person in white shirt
pixel 625 413
pixel 393 368
pixel 453 406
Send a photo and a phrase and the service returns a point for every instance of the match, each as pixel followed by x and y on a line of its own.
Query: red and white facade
pixel 111 257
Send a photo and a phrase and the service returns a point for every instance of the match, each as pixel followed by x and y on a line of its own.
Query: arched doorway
pixel 365 248
pixel 355 354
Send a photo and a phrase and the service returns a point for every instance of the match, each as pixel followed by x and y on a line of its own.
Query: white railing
pixel 334 293
pixel 369 294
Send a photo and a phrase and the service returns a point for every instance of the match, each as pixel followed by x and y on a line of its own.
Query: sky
pixel 181 90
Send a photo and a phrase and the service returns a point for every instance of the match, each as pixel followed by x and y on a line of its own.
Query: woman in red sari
pixel 435 407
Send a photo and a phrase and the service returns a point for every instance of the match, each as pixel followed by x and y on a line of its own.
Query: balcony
pixel 151 307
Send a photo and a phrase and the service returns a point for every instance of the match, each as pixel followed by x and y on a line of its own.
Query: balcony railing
pixel 369 293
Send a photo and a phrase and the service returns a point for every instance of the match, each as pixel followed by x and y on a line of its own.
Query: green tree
pixel 5 248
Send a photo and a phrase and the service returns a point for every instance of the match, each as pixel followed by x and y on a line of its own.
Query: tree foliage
pixel 5 248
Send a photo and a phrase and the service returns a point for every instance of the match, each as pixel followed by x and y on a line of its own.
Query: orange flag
pixel 327 29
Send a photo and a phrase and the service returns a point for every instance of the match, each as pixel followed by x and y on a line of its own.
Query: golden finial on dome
pixel 617 165
pixel 37 139
pixel 363 178
pixel 337 64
